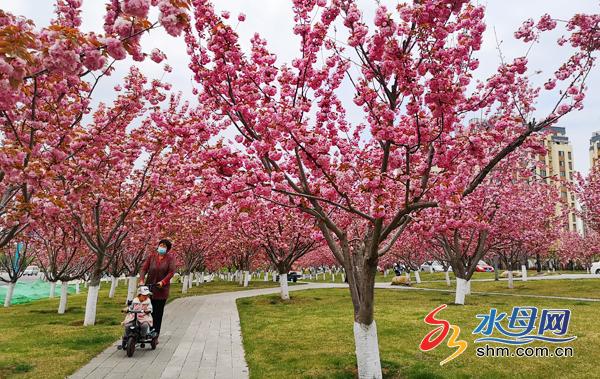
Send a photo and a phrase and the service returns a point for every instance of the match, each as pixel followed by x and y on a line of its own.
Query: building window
pixel 570 156
pixel 570 165
pixel 561 153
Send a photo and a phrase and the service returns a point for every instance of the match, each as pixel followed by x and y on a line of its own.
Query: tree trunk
pixel 113 287
pixel 447 275
pixel 52 290
pixel 201 277
pixel 266 279
pixel 62 306
pixel 496 277
pixel 283 284
pixel 9 294
pixel 184 286
pixel 361 281
pixel 90 305
pixel 333 277
pixel 367 351
pixel 461 291
pixel 77 290
pixel 523 273
pixel 467 286
pixel 246 278
pixel 417 277
pixel 510 279
pixel 92 296
pixel 131 287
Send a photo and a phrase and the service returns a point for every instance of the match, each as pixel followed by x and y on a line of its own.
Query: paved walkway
pixel 201 338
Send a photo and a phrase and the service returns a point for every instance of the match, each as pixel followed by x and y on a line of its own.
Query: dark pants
pixel 144 328
pixel 158 307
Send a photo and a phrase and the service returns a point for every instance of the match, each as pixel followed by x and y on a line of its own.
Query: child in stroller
pixel 138 322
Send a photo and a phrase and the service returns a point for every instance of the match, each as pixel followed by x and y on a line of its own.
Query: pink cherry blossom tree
pixel 284 234
pixel 62 255
pixel 411 71
pixel 14 259
pixel 47 78
pixel 589 195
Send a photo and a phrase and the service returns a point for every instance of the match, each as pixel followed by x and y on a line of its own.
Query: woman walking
pixel 160 268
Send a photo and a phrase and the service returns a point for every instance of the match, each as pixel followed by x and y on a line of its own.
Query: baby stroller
pixel 134 333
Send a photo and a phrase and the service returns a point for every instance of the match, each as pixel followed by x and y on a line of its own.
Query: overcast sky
pixel 273 20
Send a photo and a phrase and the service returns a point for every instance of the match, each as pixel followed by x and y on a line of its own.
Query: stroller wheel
pixel 153 343
pixel 130 346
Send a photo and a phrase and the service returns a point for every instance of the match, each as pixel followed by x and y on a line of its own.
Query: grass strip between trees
pixel 310 336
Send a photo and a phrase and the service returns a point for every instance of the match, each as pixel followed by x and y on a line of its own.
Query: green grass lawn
pixel 311 336
pixel 36 342
pixel 584 288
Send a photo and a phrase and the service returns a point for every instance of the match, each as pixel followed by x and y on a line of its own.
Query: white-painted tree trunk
pixel 85 284
pixel 523 273
pixel 447 275
pixel 52 290
pixel 201 277
pixel 385 273
pixel 190 280
pixel 90 305
pixel 184 287
pixel 241 277
pixel 9 294
pixel 468 287
pixel 246 278
pixel 131 287
pixel 367 351
pixel 62 306
pixel 461 291
pixel 113 287
pixel 274 275
pixel 283 284
pixel 510 279
pixel 333 277
pixel 266 278
pixel 417 277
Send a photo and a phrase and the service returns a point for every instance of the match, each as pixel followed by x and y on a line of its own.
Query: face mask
pixel 162 250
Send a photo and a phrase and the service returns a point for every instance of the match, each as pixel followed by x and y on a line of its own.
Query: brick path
pixel 201 338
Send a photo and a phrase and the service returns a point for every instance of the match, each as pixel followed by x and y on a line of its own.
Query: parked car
pixel 292 276
pixel 433 266
pixel 31 270
pixel 483 267
pixel 595 268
